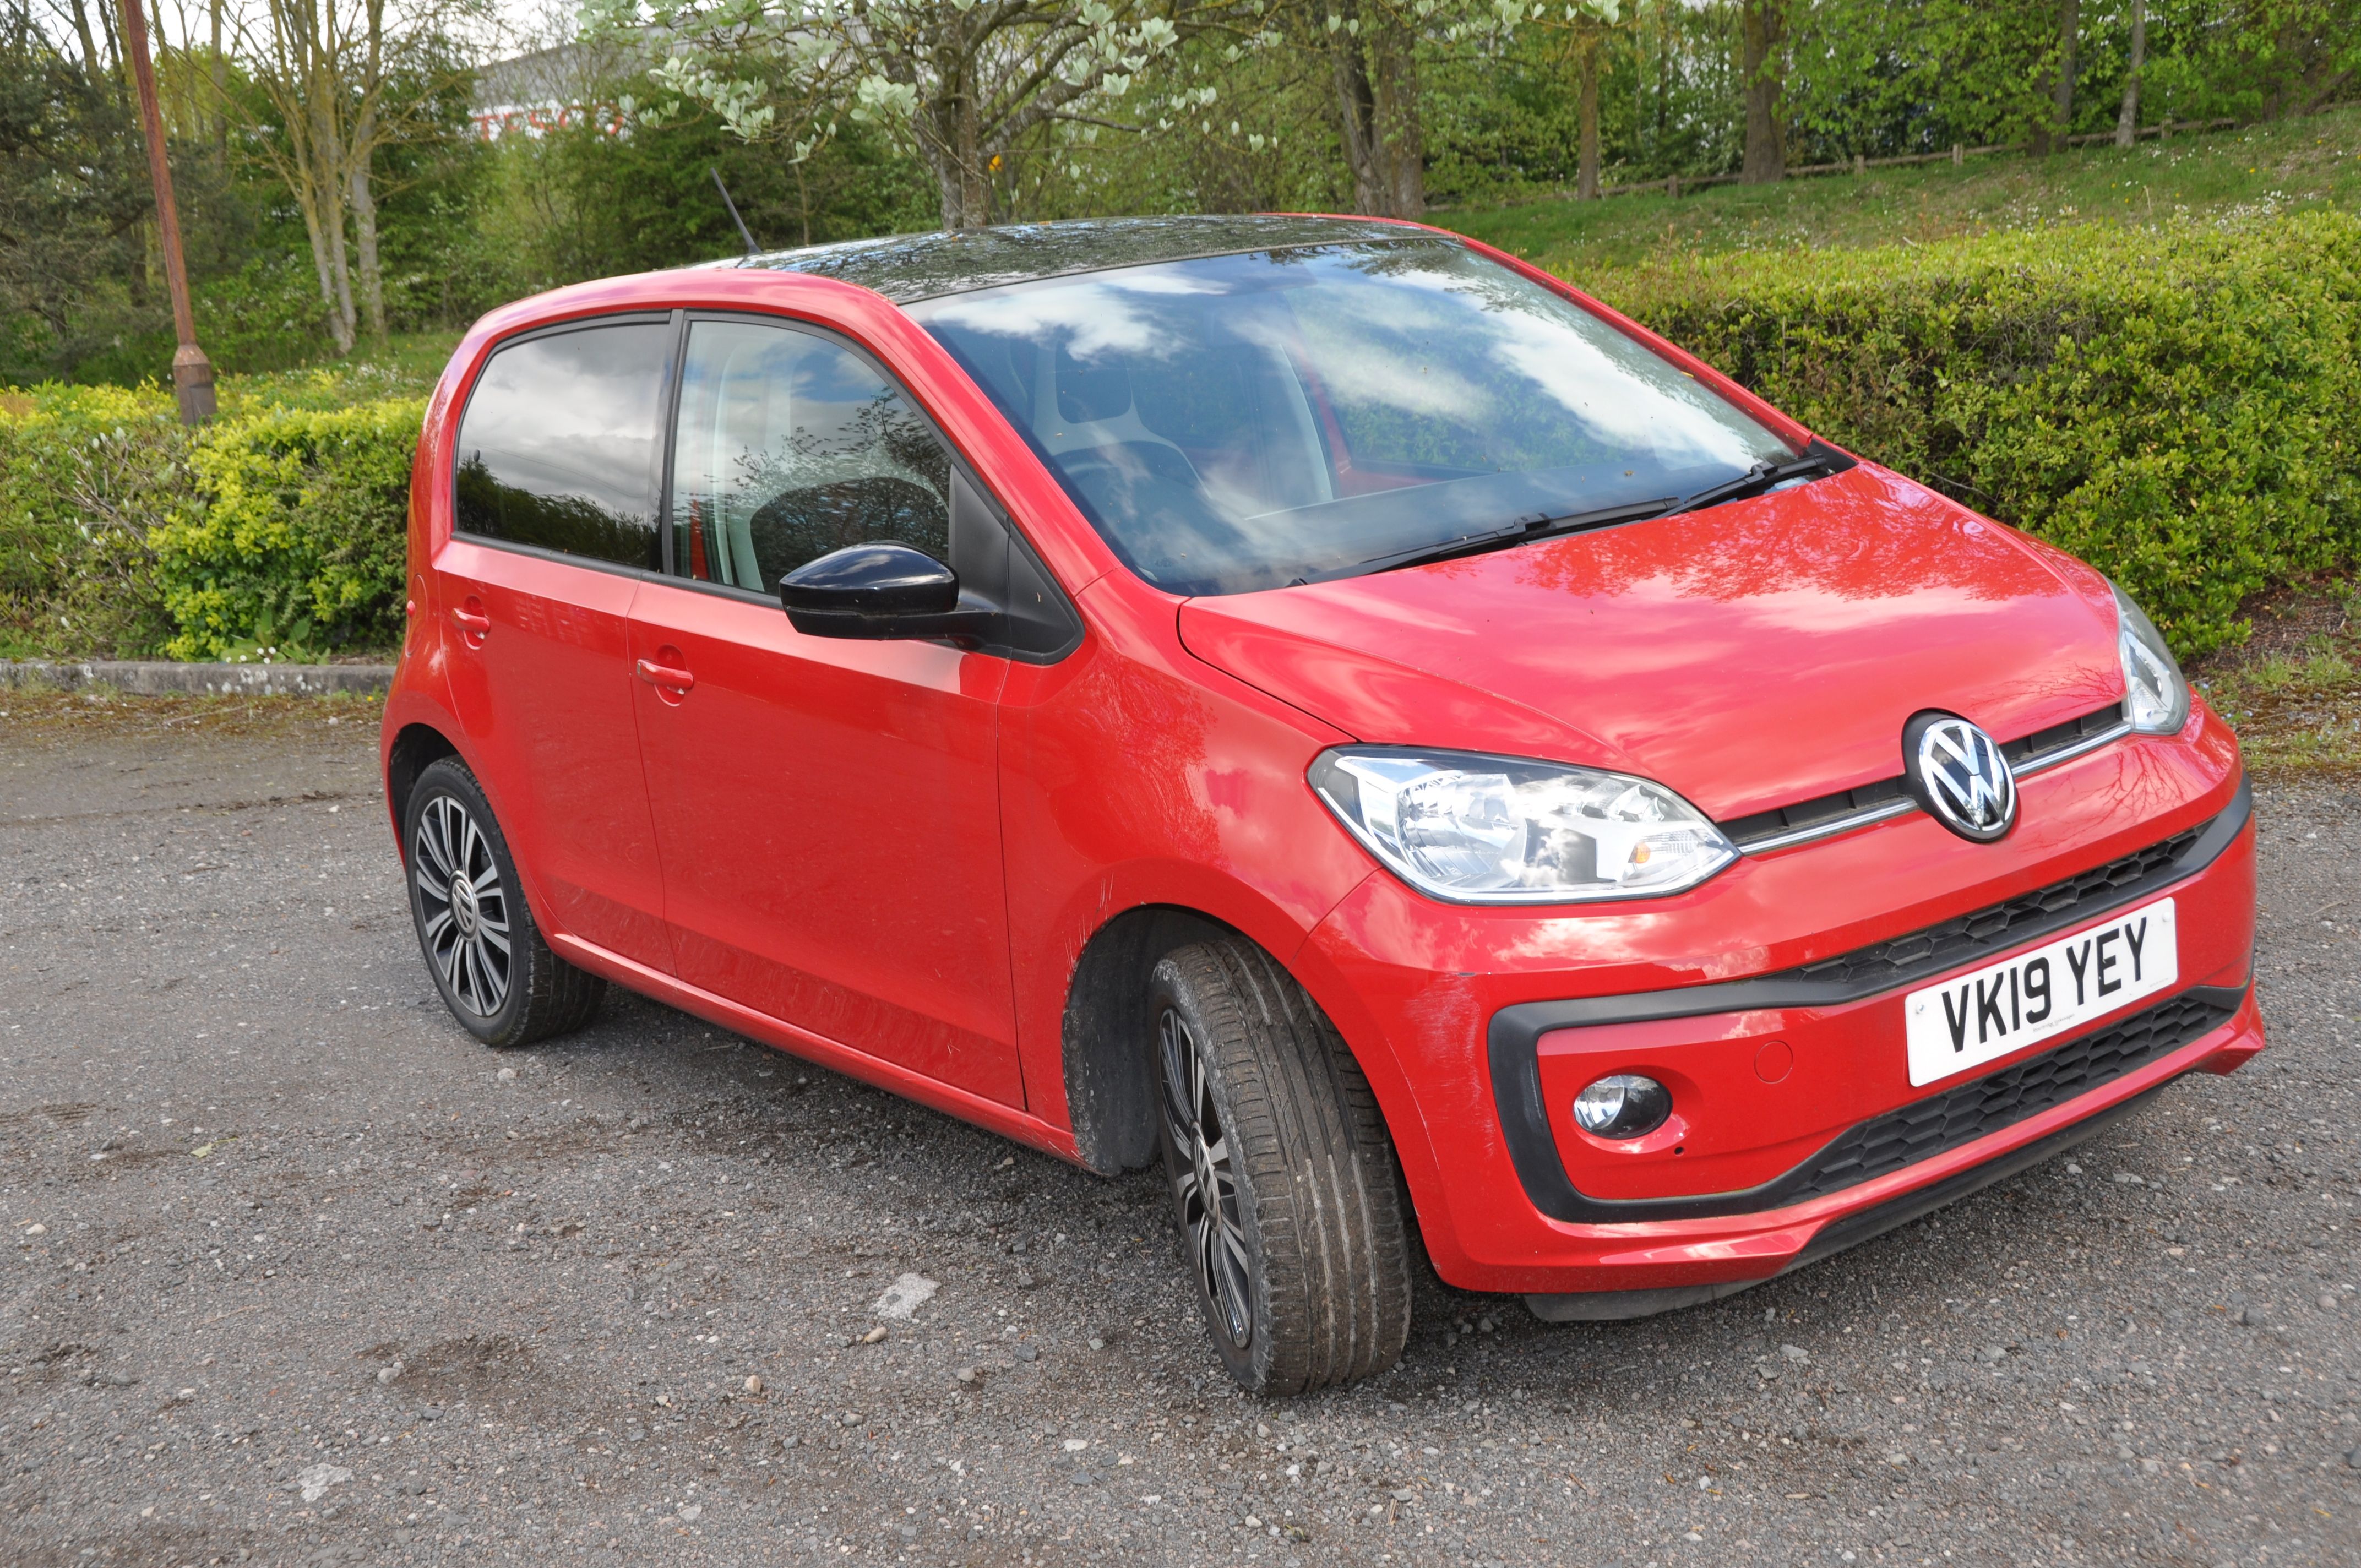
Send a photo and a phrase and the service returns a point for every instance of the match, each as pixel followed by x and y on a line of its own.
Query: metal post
pixel 192 373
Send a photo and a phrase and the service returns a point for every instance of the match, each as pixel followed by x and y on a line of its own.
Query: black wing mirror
pixel 881 592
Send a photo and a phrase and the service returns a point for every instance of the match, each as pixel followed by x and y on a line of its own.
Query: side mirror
pixel 880 592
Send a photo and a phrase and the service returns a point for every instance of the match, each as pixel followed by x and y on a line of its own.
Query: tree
pixel 73 197
pixel 341 81
pixel 1762 35
pixel 965 84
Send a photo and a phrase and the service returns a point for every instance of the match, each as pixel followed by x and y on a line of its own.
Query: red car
pixel 1320 704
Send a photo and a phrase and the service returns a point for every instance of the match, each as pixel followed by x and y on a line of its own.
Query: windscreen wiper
pixel 1520 533
pixel 1761 477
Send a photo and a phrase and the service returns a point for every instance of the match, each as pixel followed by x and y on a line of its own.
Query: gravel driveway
pixel 299 1273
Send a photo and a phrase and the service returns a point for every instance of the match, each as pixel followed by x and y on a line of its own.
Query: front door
pixel 557 475
pixel 827 811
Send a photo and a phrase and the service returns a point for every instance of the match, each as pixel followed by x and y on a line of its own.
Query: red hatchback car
pixel 1320 704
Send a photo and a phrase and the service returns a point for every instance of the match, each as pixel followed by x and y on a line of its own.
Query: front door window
pixel 791 446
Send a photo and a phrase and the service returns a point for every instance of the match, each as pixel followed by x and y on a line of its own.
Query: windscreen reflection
pixel 1248 422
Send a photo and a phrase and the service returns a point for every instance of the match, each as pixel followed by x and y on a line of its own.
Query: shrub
pixel 2176 405
pixel 86 474
pixel 296 540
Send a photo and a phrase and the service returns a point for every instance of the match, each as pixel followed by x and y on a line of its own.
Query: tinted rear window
pixel 558 447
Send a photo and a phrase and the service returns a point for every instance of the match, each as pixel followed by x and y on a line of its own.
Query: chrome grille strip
pixel 1852 821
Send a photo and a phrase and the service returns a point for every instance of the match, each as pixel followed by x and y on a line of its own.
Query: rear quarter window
pixel 558 447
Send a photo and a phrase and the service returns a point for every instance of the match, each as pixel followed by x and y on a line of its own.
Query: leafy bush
pixel 86 474
pixel 298 544
pixel 2176 405
pixel 124 536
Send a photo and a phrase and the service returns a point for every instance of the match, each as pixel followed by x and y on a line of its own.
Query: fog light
pixel 1622 1105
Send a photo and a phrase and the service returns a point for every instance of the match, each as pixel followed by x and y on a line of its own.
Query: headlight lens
pixel 2156 695
pixel 1480 830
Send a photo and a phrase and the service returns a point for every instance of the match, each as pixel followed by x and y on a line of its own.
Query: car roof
pixel 912 267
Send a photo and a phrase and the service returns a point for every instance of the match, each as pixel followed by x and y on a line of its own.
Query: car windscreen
pixel 1246 421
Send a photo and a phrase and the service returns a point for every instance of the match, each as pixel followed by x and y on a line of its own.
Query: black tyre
pixel 1291 1206
pixel 496 973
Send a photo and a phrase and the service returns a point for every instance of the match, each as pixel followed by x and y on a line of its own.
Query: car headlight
pixel 2155 694
pixel 1480 830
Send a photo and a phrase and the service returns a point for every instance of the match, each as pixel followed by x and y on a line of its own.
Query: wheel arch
pixel 413 749
pixel 1109 1071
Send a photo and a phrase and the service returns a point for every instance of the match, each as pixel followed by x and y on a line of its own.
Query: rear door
pixel 827 811
pixel 558 466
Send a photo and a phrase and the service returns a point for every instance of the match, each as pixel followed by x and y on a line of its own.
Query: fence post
pixel 1671 184
pixel 1860 163
pixel 1959 154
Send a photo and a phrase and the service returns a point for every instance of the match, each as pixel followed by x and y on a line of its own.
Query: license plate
pixel 1971 1019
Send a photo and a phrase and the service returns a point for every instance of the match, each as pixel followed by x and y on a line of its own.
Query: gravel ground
pixel 299 1273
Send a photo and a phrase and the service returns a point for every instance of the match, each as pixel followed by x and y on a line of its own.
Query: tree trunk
pixel 951 136
pixel 1762 32
pixel 219 66
pixel 1400 135
pixel 2127 122
pixel 2069 25
pixel 365 231
pixel 360 154
pixel 1357 111
pixel 91 65
pixel 1376 71
pixel 327 164
pixel 1586 185
pixel 315 228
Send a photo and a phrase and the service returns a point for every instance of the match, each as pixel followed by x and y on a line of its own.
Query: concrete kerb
pixel 158 677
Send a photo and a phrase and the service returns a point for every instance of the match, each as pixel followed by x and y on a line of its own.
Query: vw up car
pixel 1317 706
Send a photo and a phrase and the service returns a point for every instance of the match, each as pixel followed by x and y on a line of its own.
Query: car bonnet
pixel 1749 655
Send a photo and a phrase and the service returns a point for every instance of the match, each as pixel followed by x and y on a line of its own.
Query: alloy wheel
pixel 464 908
pixel 1205 1179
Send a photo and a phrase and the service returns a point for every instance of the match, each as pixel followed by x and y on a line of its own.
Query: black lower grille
pixel 1945 1121
pixel 1955 941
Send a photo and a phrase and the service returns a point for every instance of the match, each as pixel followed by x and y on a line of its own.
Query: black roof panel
pixel 905 267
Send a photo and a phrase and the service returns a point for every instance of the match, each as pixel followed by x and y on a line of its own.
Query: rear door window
pixel 790 445
pixel 558 448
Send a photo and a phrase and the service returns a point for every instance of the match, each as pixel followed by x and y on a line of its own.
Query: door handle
pixel 665 677
pixel 477 626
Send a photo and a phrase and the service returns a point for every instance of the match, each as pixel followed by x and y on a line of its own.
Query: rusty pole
pixel 192 373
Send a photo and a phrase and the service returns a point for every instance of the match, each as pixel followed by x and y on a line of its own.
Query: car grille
pixel 1940 1121
pixel 1957 940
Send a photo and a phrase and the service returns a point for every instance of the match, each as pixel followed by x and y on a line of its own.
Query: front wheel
pixel 497 975
pixel 1283 1179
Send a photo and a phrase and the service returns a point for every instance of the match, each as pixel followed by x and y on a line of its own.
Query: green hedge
pixel 84 477
pixel 276 532
pixel 297 547
pixel 2181 407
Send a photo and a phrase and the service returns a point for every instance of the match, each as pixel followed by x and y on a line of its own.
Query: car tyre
pixel 1290 1201
pixel 497 975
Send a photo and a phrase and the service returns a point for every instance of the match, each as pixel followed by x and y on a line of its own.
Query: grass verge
pixel 2294 690
pixel 2283 166
pixel 39 713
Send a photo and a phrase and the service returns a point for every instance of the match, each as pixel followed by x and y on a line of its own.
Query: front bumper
pixel 1767 1167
